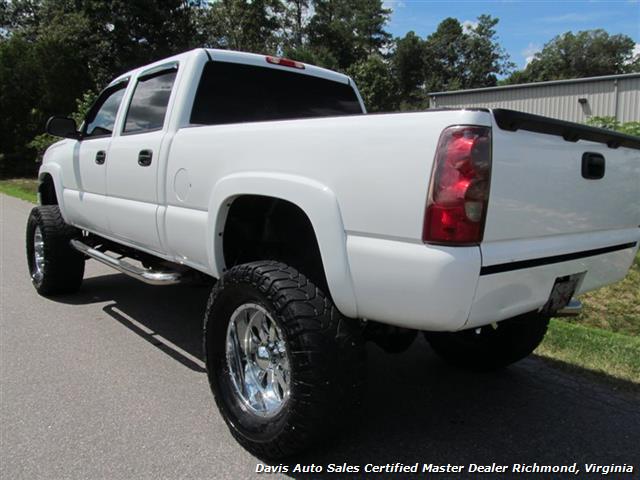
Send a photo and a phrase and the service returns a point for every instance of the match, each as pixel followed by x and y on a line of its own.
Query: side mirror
pixel 62 127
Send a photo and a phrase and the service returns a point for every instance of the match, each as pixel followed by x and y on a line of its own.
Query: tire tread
pixel 325 347
pixel 64 266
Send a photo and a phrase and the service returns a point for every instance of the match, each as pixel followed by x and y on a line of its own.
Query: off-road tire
pixel 326 358
pixel 63 265
pixel 491 349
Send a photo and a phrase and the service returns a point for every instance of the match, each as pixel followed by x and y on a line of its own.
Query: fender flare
pixel 55 172
pixel 316 200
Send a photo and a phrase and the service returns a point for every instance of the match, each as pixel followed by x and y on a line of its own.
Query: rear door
pixel 134 160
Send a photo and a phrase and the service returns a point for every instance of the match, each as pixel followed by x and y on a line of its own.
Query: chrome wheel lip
pixel 38 255
pixel 258 360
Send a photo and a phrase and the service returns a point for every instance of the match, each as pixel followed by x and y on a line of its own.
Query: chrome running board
pixel 152 277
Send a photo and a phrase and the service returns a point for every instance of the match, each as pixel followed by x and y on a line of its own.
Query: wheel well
pixel 47 191
pixel 266 228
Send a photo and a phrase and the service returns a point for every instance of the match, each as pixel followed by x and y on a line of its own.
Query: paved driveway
pixel 109 383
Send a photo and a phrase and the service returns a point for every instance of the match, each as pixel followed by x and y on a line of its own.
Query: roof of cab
pixel 261 61
pixel 174 58
pixel 239 57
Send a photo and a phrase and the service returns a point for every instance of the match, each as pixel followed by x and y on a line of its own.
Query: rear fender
pixel 316 200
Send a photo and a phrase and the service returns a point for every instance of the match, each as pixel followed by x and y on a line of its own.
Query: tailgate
pixel 537 186
pixel 551 212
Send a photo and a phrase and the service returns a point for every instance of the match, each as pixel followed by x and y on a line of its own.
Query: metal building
pixel 575 100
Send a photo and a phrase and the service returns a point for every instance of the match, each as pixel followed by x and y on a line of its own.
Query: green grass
pixel 616 307
pixel 606 336
pixel 595 349
pixel 24 188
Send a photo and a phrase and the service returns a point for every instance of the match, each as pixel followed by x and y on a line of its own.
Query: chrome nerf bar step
pixel 152 277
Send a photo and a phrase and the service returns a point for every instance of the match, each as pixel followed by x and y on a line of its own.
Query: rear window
pixel 235 93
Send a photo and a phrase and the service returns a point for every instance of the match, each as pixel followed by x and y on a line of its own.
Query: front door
pixel 85 191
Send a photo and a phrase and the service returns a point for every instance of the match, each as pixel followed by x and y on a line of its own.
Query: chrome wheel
pixel 257 360
pixel 38 254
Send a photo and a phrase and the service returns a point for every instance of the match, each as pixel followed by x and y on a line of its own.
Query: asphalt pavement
pixel 109 383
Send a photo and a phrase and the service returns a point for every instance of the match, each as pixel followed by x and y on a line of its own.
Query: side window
pixel 102 116
pixel 149 102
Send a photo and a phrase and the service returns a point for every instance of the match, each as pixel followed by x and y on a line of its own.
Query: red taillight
pixel 459 190
pixel 285 62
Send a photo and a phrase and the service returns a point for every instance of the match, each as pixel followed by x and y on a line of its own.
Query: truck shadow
pixel 417 409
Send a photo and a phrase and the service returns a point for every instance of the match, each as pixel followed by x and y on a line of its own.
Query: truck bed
pixel 377 167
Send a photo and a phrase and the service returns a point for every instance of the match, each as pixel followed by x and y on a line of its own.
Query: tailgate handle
pixel 592 165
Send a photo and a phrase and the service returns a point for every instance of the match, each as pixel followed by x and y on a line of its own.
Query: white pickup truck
pixel 324 227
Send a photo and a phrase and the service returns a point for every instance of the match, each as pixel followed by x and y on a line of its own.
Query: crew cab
pixel 322 226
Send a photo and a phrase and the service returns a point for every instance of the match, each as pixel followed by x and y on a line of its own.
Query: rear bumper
pixel 413 285
pixel 508 288
pixel 436 288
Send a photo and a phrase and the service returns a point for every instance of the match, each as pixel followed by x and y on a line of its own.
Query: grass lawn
pixel 592 348
pixel 24 188
pixel 605 338
pixel 616 307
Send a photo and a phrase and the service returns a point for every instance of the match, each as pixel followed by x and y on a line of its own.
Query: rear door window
pixel 148 106
pixel 234 93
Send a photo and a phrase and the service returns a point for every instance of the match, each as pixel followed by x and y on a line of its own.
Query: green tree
pixel 408 66
pixel 53 50
pixel 444 56
pixel 484 58
pixel 19 13
pixel 295 19
pixel 40 75
pixel 376 83
pixel 19 92
pixel 451 58
pixel 253 26
pixel 589 53
pixel 43 141
pixel 4 18
pixel 630 128
pixel 129 34
pixel 350 30
pixel 456 58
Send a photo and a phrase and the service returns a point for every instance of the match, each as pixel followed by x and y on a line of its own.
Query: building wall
pixel 629 100
pixel 557 100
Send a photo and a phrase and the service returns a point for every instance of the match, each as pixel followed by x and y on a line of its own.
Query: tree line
pixel 56 54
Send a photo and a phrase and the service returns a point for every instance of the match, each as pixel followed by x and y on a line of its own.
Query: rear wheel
pixel 54 265
pixel 489 348
pixel 285 367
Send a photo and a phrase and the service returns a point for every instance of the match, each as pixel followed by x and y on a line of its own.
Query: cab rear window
pixel 235 93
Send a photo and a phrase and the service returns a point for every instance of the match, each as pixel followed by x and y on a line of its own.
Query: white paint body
pixel 362 181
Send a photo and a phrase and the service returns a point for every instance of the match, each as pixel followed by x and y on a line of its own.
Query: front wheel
pixel 285 367
pixel 54 265
pixel 489 348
